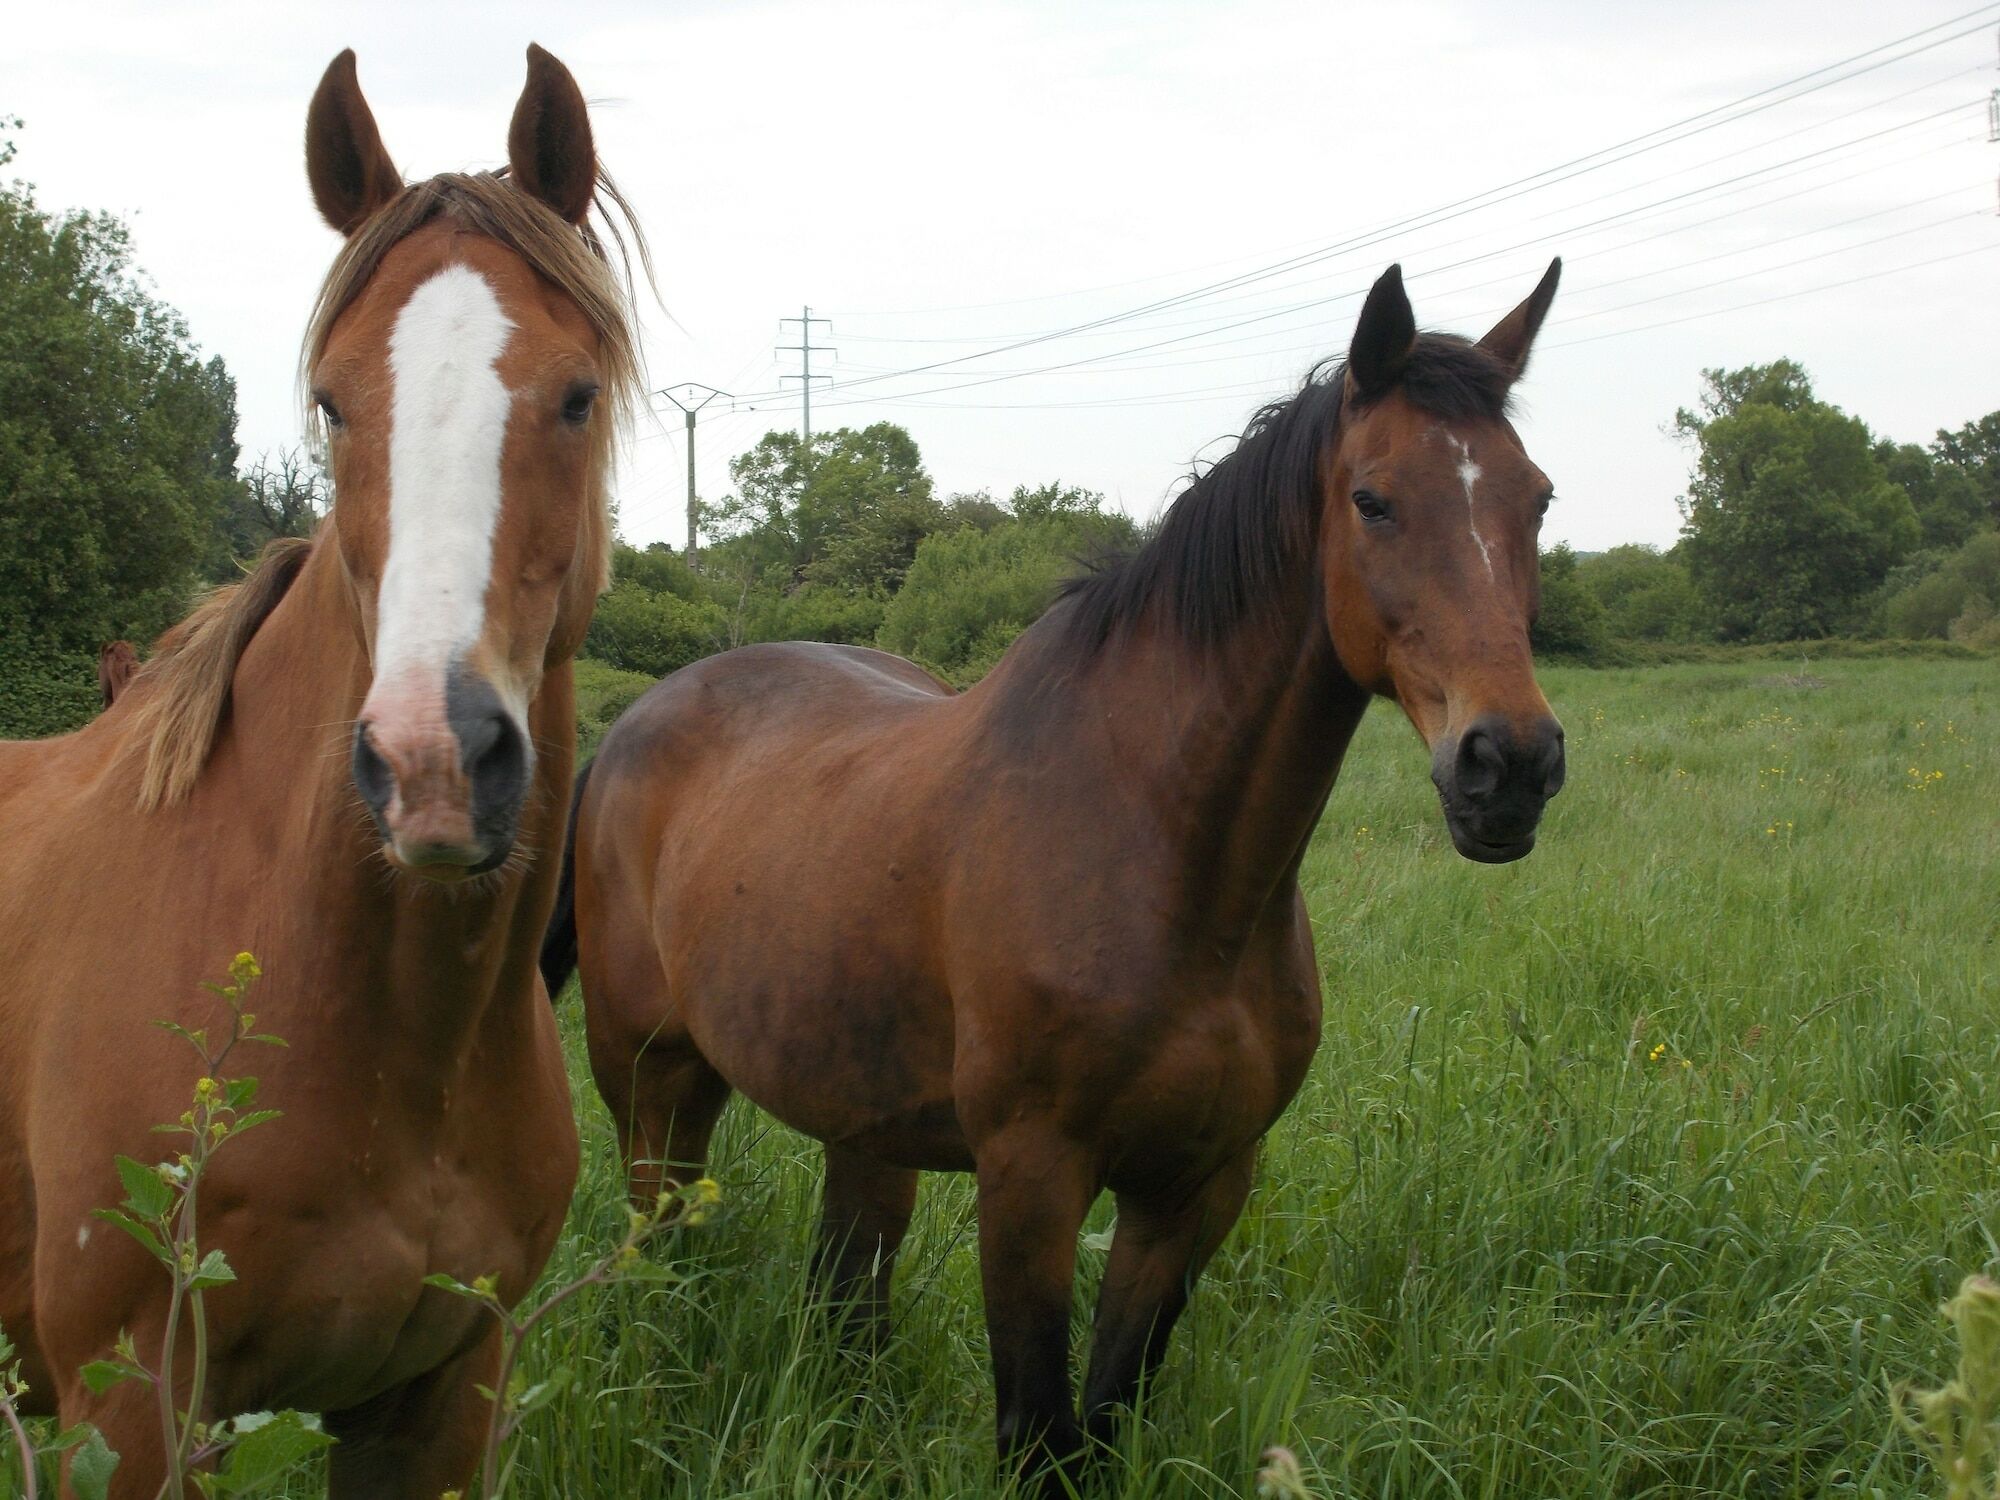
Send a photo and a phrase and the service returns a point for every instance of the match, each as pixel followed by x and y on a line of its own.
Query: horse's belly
pixel 928 1138
pixel 868 1065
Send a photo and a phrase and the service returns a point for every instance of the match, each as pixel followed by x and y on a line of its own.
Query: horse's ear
pixel 1383 337
pixel 351 174
pixel 549 149
pixel 1514 335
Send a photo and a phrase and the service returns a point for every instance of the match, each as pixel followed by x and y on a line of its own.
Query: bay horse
pixel 1050 930
pixel 117 665
pixel 355 764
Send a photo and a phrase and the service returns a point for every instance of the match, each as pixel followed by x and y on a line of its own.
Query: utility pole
pixel 804 348
pixel 689 406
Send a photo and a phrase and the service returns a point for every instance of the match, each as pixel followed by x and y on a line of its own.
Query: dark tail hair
pixel 559 942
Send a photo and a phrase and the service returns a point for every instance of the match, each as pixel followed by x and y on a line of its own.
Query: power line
pixel 1828 286
pixel 1821 124
pixel 1603 285
pixel 1979 10
pixel 1267 387
pixel 1534 182
pixel 1721 188
pixel 1336 297
pixel 1202 337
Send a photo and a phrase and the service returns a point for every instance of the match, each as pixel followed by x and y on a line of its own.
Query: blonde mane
pixel 188 680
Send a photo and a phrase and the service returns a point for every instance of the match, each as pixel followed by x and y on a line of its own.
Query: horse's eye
pixel 577 404
pixel 327 409
pixel 1371 505
pixel 1542 505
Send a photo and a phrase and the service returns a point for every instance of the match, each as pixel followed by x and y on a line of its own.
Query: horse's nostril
pixel 372 777
pixel 495 756
pixel 1481 765
pixel 493 752
pixel 1553 765
pixel 477 738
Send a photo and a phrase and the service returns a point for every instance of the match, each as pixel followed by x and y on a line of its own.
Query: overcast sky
pixel 939 179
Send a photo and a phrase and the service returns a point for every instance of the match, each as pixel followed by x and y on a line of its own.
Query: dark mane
pixel 1223 552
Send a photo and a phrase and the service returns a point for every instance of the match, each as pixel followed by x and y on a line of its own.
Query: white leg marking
pixel 1468 475
pixel 448 418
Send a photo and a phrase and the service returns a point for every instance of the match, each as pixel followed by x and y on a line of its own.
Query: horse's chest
pixel 342 1312
pixel 348 1316
pixel 1201 1079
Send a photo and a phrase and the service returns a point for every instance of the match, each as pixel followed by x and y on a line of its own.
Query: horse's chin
pixel 1473 847
pixel 445 866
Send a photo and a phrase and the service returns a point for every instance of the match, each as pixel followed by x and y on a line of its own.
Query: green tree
pixel 1974 450
pixel 1945 494
pixel 657 617
pixel 117 453
pixel 1790 521
pixel 846 515
pixel 971 591
pixel 1956 598
pixel 1647 594
pixel 1571 622
pixel 976 508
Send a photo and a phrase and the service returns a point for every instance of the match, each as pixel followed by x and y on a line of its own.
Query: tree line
pixel 120 487
pixel 1799 524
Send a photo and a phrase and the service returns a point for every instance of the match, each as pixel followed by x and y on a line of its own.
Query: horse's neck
pixel 1233 747
pixel 430 964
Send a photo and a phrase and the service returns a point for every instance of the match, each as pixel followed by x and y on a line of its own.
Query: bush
pixel 603 692
pixel 813 612
pixel 44 691
pixel 1572 625
pixel 1957 598
pixel 658 570
pixel 1647 595
pixel 970 592
pixel 653 633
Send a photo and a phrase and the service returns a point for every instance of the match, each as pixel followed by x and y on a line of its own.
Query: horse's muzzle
pixel 445 788
pixel 1494 778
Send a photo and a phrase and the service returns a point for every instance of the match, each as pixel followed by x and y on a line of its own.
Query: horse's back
pixel 765 689
pixel 746 734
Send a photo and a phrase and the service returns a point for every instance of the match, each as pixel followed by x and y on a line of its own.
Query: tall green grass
pixel 1638 1168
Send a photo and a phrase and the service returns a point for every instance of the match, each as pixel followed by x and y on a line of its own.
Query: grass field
pixel 1637 1168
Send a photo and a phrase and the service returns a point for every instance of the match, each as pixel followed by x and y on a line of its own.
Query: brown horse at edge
pixel 117 665
pixel 355 764
pixel 1050 930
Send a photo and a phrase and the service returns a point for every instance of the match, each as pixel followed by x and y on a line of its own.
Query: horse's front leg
pixel 421 1439
pixel 1158 1250
pixel 128 1416
pixel 1034 1189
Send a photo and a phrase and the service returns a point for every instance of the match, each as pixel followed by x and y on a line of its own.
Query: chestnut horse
pixel 1050 930
pixel 355 764
pixel 117 665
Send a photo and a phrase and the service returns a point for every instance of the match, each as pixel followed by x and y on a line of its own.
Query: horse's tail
pixel 559 942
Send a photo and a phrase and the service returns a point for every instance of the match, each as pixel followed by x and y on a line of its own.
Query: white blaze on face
pixel 1468 475
pixel 448 420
